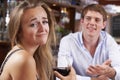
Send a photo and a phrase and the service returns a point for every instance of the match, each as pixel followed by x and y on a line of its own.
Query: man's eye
pixel 97 20
pixel 88 18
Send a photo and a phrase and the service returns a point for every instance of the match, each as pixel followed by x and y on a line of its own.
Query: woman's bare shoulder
pixel 21 63
pixel 21 59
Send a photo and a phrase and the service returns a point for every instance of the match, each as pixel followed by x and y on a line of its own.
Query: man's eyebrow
pixel 87 16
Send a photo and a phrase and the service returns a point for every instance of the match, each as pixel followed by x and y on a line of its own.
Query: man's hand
pixel 104 69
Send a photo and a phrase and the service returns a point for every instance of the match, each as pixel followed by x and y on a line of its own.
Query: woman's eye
pixel 45 22
pixel 34 25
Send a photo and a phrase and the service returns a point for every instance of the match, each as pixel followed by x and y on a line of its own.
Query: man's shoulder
pixel 107 37
pixel 72 35
pixel 106 34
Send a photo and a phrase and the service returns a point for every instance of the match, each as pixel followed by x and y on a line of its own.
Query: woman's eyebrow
pixel 33 19
pixel 44 18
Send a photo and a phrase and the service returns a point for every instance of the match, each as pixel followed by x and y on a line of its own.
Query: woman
pixel 31 31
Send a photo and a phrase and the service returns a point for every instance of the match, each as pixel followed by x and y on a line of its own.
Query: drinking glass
pixel 62 70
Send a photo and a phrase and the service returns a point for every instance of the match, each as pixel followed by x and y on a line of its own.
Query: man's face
pixel 92 23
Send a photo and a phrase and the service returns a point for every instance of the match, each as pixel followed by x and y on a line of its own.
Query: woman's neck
pixel 29 48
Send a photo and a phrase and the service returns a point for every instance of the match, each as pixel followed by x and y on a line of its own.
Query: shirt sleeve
pixel 79 78
pixel 65 59
pixel 114 55
pixel 83 78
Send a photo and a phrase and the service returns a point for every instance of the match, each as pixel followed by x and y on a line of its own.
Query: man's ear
pixel 81 20
pixel 104 24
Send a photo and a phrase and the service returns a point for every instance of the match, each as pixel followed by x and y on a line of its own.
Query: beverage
pixel 62 70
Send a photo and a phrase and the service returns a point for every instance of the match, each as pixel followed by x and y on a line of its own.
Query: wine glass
pixel 62 70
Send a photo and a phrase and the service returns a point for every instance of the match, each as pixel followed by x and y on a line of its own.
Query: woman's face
pixel 35 28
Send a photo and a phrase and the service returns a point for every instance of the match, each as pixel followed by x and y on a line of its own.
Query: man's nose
pixel 92 22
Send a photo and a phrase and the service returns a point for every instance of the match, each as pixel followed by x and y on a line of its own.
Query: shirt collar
pixel 81 38
pixel 101 37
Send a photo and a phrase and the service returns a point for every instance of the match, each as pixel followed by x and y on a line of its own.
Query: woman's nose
pixel 40 27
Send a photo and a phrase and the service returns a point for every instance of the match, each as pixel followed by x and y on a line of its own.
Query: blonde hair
pixel 43 55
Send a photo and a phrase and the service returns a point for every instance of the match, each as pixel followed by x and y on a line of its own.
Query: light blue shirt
pixel 72 51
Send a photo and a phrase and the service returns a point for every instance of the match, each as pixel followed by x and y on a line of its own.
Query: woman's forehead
pixel 37 12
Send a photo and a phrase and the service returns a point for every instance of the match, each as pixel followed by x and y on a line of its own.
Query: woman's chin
pixel 42 42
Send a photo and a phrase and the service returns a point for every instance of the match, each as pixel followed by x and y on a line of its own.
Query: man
pixel 93 53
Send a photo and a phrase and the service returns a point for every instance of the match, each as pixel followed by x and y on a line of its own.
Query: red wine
pixel 62 70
